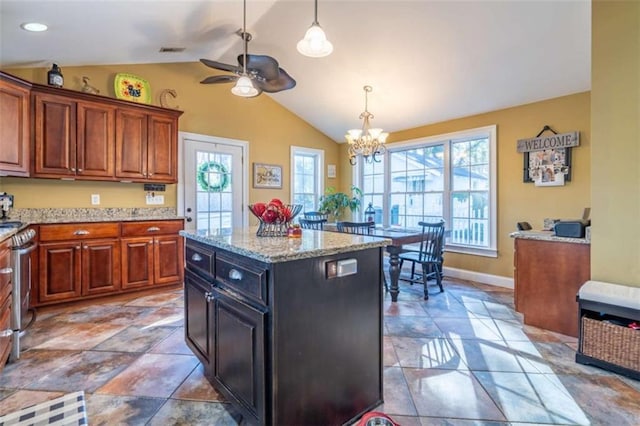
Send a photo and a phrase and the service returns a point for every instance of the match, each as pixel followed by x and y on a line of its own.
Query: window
pixel 307 178
pixel 450 176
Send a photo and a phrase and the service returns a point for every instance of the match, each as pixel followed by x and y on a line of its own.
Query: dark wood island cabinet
pixel 283 329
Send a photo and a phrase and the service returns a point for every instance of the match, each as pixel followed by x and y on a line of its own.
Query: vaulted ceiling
pixel 427 61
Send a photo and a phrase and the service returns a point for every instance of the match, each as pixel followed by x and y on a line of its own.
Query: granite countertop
pixel 283 249
pixel 547 236
pixel 75 215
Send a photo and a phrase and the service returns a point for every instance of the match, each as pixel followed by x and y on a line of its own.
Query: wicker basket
pixel 611 343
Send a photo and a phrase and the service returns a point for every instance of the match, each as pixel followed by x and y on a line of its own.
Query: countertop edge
pixel 547 236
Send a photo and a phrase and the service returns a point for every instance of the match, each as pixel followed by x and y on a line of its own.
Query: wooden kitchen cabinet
pixel 146 146
pixel 151 253
pixel 77 260
pixel 5 301
pixel 547 277
pixel 15 127
pixel 73 138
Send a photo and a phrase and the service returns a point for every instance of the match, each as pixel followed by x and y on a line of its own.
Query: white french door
pixel 214 184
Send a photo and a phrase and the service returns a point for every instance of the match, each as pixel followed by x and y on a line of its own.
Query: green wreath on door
pixel 220 170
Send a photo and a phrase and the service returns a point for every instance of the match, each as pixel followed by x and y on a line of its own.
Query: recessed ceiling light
pixel 34 26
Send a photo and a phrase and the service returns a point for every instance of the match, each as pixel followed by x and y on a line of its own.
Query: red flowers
pixel 274 211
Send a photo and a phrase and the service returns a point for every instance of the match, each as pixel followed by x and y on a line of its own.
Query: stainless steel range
pixel 23 245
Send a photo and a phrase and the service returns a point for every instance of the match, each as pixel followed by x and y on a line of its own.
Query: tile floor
pixel 461 358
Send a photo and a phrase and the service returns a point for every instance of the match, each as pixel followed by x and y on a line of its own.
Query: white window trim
pixel 319 154
pixel 491 131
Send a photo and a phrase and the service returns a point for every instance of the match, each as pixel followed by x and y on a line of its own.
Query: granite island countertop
pixel 282 249
pixel 547 236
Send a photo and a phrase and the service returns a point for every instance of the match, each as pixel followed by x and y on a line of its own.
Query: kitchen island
pixel 288 330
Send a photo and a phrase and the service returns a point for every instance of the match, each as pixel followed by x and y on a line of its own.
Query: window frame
pixel 447 139
pixel 318 155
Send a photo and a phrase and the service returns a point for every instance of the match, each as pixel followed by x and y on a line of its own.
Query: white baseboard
pixel 479 277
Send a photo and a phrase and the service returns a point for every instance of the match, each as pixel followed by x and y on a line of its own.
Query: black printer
pixel 573 228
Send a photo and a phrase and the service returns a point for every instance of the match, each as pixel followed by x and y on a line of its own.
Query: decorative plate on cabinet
pixel 132 88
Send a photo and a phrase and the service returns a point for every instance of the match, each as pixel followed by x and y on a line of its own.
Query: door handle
pixel 153 229
pixel 196 257
pixel 81 232
pixel 235 275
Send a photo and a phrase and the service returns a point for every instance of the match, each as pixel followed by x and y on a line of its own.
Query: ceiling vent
pixel 171 49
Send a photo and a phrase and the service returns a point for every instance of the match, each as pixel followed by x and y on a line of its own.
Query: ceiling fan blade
pixel 221 66
pixel 283 82
pixel 265 66
pixel 219 79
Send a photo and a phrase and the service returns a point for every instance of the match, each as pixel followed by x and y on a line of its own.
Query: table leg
pixel 394 270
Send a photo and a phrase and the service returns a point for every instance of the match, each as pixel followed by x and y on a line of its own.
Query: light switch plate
pixel 95 199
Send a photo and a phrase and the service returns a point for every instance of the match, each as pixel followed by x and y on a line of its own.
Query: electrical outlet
pixel 157 199
pixel 95 199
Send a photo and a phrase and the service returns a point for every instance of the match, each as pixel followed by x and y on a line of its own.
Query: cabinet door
pixel 95 140
pixel 55 136
pixel 131 144
pixel 14 130
pixel 167 259
pixel 239 352
pixel 60 271
pixel 137 262
pixel 162 149
pixel 100 267
pixel 198 319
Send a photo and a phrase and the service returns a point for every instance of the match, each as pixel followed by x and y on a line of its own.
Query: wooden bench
pixel 605 338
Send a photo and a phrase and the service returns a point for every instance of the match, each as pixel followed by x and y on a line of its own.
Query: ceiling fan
pixel 254 74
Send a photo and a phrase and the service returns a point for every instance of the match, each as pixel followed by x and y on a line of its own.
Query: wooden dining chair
pixel 362 228
pixel 317 224
pixel 315 215
pixel 429 256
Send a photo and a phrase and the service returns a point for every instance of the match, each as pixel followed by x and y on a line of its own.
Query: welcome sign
pixel 555 141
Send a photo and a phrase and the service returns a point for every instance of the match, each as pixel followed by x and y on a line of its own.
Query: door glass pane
pixel 214 193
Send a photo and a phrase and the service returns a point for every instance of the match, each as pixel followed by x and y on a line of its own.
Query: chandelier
pixel 366 141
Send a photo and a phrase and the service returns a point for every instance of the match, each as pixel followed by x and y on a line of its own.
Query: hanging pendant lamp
pixel 315 43
pixel 244 86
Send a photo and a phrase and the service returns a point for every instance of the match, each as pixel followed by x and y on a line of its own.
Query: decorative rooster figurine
pixel 87 88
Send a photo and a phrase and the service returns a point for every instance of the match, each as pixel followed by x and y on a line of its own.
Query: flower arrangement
pixel 274 217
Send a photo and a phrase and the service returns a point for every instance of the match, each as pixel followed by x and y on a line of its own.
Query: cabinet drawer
pixel 200 260
pixel 249 280
pixel 79 231
pixel 155 227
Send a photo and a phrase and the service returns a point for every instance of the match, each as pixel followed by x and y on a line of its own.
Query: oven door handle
pixel 25 250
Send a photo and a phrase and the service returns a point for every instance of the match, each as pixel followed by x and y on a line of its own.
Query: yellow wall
pixel 615 124
pixel 269 128
pixel 519 201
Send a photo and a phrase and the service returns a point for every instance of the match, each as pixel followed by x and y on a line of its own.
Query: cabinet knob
pixel 85 247
pixel 153 229
pixel 150 174
pixel 73 169
pixel 150 242
pixel 79 170
pixel 235 275
pixel 81 232
pixel 208 296
pixel 6 271
pixel 196 257
pixel 77 247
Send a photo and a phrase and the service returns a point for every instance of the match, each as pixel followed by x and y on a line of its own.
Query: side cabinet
pixel 5 302
pixel 15 127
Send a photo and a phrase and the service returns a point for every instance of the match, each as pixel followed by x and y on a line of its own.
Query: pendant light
pixel 244 86
pixel 315 43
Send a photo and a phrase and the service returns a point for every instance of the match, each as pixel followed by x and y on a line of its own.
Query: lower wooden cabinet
pixel 5 302
pixel 92 259
pixel 154 257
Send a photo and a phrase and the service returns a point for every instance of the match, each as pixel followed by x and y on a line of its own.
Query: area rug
pixel 66 410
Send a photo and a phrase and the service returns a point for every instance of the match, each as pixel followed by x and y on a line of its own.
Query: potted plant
pixel 334 203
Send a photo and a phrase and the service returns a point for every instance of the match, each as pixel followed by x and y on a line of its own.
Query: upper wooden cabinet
pixel 146 146
pixel 15 134
pixel 83 136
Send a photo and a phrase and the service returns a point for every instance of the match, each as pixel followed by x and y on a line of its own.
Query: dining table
pixel 399 237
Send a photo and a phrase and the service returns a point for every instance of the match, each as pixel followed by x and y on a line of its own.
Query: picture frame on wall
pixel 267 176
pixel 547 167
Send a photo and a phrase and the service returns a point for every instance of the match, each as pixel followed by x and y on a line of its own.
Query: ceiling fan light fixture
pixel 315 43
pixel 244 88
